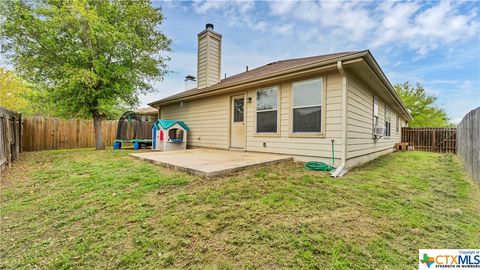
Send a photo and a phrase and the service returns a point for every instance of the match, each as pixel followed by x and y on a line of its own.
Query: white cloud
pixel 260 25
pixel 203 7
pixel 281 7
pixel 422 28
pixel 395 20
pixel 425 30
pixel 237 12
pixel 285 29
pixel 310 34
pixel 349 18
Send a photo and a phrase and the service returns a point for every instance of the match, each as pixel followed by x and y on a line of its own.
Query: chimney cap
pixel 209 26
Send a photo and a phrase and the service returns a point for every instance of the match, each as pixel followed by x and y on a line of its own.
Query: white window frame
pixel 388 118
pixel 397 128
pixel 322 110
pixel 375 112
pixel 277 109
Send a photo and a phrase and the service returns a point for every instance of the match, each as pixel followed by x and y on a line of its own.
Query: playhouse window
pixel 175 134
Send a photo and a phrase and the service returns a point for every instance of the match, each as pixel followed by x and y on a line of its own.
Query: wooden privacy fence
pixel 40 133
pixel 10 138
pixel 468 143
pixel 431 139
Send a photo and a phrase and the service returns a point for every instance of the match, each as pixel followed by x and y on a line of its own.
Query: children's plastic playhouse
pixel 169 135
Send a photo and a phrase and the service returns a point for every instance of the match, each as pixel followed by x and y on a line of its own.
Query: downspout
pixel 340 171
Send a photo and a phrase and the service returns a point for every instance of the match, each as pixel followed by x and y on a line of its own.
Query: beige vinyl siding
pixel 360 139
pixel 209 122
pixel 207 118
pixel 208 60
pixel 283 143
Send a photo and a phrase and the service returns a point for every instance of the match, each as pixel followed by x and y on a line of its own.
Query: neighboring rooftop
pixel 147 110
pixel 258 72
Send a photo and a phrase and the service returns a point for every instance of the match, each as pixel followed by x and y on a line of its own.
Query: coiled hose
pixel 321 166
pixel 318 166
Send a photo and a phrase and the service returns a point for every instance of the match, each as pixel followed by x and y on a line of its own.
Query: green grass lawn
pixel 86 209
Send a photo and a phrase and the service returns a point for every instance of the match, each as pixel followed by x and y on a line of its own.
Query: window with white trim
pixel 307 106
pixel 398 124
pixel 388 121
pixel 375 112
pixel 267 110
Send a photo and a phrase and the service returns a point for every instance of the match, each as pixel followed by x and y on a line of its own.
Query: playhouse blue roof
pixel 166 124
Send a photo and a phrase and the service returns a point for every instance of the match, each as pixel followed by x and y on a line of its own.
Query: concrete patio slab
pixel 209 162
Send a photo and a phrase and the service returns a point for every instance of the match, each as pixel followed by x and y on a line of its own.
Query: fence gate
pixel 431 139
pixel 10 137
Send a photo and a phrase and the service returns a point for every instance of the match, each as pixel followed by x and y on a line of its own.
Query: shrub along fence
pixel 431 139
pixel 468 142
pixel 40 133
pixel 10 140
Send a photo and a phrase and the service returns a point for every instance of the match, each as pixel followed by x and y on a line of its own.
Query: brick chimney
pixel 209 56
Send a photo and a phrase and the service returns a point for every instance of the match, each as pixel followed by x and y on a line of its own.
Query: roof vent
pixel 209 26
pixel 272 63
pixel 190 82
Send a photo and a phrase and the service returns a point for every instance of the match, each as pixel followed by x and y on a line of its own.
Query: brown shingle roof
pixel 256 73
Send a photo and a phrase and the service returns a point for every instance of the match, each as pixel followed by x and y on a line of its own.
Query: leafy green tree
pixel 18 95
pixel 13 92
pixel 421 106
pixel 87 56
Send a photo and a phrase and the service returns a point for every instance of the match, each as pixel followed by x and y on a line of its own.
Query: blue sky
pixel 435 43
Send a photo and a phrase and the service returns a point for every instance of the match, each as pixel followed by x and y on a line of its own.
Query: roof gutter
pixel 298 69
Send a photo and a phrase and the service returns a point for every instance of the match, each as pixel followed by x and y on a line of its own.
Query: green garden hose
pixel 318 166
pixel 321 166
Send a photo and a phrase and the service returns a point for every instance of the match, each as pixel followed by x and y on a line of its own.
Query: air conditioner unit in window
pixel 379 131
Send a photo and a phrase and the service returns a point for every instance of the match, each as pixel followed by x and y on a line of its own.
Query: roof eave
pixel 305 67
pixel 376 68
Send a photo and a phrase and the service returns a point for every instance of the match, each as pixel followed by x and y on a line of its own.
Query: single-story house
pixel 339 106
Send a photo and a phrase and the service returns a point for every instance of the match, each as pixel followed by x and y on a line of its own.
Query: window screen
pixel 267 121
pixel 388 122
pixel 375 112
pixel 398 124
pixel 375 106
pixel 307 106
pixel 267 109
